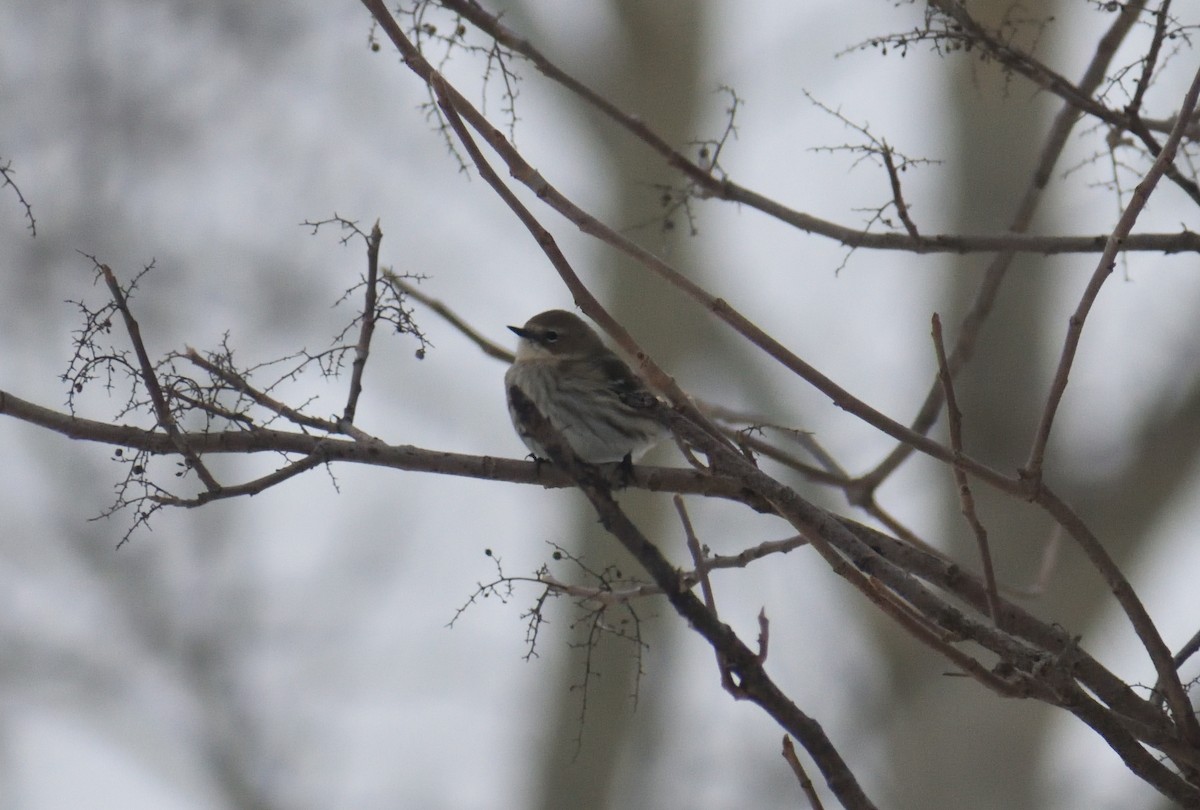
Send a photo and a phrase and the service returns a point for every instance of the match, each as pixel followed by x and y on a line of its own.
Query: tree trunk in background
pixel 987 750
pixel 653 73
pixel 943 725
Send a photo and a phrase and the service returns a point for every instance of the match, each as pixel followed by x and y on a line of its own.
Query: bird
pixel 599 406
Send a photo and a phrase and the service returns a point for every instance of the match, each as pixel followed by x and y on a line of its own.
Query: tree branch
pixel 150 379
pixel 1104 268
pixel 1041 75
pixel 954 417
pixel 371 451
pixel 997 271
pixel 362 349
pixel 742 662
pixel 725 189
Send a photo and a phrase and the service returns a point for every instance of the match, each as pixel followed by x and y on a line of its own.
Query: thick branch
pixel 400 457
pixel 520 169
pixel 743 663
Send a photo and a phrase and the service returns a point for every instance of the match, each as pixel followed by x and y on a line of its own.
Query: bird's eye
pixel 551 336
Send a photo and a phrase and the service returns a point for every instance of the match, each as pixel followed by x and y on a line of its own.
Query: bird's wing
pixel 628 387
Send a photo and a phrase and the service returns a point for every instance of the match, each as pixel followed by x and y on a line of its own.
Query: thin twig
pixel 743 558
pixel 1187 650
pixel 712 562
pixel 897 195
pixel 1150 62
pixel 6 174
pixel 1137 201
pixel 249 488
pixel 150 379
pixel 972 322
pixel 698 558
pixel 967 499
pixel 489 348
pixel 1180 658
pixel 710 602
pixel 725 189
pixel 362 349
pixel 789 755
pixel 243 386
pixel 1042 75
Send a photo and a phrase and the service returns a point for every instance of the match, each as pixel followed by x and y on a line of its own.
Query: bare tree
pixel 192 406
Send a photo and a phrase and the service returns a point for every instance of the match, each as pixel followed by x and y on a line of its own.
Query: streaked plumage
pixel 584 389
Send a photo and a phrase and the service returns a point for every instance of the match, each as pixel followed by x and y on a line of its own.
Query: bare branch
pixel 362 349
pixel 725 189
pixel 1150 62
pixel 954 416
pixel 969 329
pixel 249 488
pixel 150 380
pixel 1104 268
pixel 789 755
pixel 897 194
pixel 1143 625
pixel 693 546
pixel 239 383
pixel 1041 75
pixel 489 348
pixel 743 663
pixel 6 174
pixel 1180 658
pixel 362 451
pixel 877 149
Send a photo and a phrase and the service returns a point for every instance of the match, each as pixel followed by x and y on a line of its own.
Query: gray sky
pixel 200 136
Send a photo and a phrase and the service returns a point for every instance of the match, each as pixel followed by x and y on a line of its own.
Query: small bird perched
pixel 601 408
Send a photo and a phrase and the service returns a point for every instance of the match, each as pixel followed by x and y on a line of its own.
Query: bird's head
pixel 556 333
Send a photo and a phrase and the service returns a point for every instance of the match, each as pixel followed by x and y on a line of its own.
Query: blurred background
pixel 292 650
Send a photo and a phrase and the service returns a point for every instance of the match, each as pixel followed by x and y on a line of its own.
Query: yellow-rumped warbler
pixel 601 408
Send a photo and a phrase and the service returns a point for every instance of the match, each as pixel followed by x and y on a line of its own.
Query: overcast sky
pixel 200 136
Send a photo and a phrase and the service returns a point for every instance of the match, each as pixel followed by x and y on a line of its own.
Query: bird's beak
pixel 519 331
